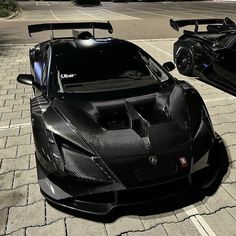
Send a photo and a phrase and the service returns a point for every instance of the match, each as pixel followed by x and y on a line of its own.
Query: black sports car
pixel 208 54
pixel 111 126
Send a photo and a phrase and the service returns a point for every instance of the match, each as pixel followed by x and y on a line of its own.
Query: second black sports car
pixel 209 54
pixel 111 126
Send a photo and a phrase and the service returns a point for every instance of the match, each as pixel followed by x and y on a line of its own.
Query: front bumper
pixel 103 203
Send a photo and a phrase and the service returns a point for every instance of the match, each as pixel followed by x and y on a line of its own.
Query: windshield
pixel 103 69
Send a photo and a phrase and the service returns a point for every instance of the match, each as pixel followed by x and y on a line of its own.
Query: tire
pixel 185 61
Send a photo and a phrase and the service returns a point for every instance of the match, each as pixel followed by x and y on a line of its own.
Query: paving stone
pixel 16 91
pixel 11 115
pixel 25 149
pixel 32 138
pixel 9 132
pixel 152 220
pixel 232 152
pixel 231 189
pixel 26 114
pixel 20 121
pixel 14 164
pixel 24 96
pixel 4 123
pixel 23 107
pixel 157 231
pixel 8 152
pixel 78 226
pixel 23 177
pixel 20 232
pixel 222 223
pixel 3 220
pixel 14 102
pixel 57 228
pixel 232 171
pixel 26 130
pixel 15 197
pixel 220 199
pixel 3 142
pixel 6 181
pixel 26 101
pixel 34 194
pixel 6 108
pixel 52 214
pixel 2 103
pixel 9 86
pixel 22 139
pixel 124 224
pixel 31 215
pixel 32 161
pixel 2 92
pixel 182 228
pixel 232 212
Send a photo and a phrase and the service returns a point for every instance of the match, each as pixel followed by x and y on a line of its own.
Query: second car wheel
pixel 185 61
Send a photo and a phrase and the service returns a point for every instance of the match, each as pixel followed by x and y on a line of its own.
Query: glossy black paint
pixel 209 54
pixel 99 150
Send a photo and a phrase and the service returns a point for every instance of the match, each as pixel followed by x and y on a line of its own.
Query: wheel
pixel 185 61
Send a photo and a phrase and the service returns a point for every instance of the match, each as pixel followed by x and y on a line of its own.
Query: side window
pixel 45 69
pixel 44 74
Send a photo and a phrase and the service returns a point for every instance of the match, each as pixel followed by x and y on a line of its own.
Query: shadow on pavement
pixel 178 201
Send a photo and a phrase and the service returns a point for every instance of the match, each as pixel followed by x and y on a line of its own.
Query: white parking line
pixel 37 3
pixel 201 225
pixel 131 17
pixel 91 16
pixel 186 12
pixel 53 14
pixel 153 13
pixel 149 44
pixel 219 12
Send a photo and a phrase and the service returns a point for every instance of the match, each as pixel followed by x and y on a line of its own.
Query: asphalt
pixel 23 210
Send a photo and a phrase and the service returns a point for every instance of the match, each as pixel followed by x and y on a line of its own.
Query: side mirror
pixel 169 66
pixel 25 79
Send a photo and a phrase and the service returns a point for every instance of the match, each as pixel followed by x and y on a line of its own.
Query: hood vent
pixel 137 115
pixel 138 124
pixel 113 119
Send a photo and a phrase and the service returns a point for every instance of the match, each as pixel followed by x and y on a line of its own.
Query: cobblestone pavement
pixel 23 210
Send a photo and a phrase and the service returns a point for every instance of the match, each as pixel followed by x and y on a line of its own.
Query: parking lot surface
pixel 24 211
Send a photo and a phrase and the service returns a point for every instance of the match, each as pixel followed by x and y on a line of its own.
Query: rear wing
pixel 64 26
pixel 221 23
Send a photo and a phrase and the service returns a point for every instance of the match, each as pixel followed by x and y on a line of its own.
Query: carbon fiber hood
pixel 125 133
